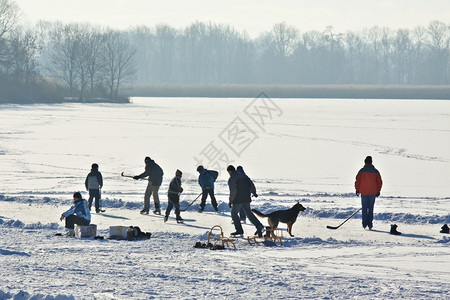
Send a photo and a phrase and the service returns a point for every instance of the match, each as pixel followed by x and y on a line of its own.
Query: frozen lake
pixel 303 150
pixel 291 147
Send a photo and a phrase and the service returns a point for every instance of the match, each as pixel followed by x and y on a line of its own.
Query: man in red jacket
pixel 368 183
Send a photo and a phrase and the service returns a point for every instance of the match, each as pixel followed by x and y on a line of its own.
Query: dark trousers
pixel 174 201
pixel 242 215
pixel 73 219
pixel 94 194
pixel 205 194
pixel 235 217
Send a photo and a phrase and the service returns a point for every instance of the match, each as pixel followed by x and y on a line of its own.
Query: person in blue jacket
pixel 206 180
pixel 78 214
pixel 93 184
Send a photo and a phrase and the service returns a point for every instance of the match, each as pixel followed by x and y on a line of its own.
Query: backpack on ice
pixel 135 233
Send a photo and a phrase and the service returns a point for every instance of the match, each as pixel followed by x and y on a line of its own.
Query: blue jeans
pixel 367 202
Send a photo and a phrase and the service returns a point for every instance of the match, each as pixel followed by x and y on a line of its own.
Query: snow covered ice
pixel 303 150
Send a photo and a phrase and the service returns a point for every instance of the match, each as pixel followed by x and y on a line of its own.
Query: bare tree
pixel 355 47
pixel 165 36
pixel 23 51
pixel 285 38
pixel 92 48
pixel 118 61
pixel 439 51
pixel 9 16
pixel 195 62
pixel 65 54
pixel 334 57
pixel 418 36
pixel 402 51
pixel 143 40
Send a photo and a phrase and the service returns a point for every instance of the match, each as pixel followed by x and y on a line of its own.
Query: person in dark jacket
pixel 155 177
pixel 78 214
pixel 242 215
pixel 206 180
pixel 173 194
pixel 368 183
pixel 240 185
pixel 94 183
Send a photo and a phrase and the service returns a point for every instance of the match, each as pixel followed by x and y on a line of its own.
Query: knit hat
pixel 368 160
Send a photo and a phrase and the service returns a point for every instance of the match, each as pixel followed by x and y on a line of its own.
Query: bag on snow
pixel 135 233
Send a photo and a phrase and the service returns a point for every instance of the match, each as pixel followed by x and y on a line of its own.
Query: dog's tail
pixel 258 213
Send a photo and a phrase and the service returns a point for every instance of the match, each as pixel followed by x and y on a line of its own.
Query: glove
pixel 229 204
pixel 255 195
pixel 136 177
pixel 378 194
pixel 181 190
pixel 357 193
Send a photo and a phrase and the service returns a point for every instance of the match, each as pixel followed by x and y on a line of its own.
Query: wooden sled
pixel 220 238
pixel 273 235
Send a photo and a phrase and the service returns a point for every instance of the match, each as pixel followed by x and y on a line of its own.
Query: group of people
pixel 368 184
pixel 241 189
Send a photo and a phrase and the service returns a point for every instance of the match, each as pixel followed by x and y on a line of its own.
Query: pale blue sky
pixel 253 16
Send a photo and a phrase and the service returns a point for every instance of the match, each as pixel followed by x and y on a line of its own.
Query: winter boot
pixel 445 229
pixel 237 234
pixel 394 229
pixel 70 233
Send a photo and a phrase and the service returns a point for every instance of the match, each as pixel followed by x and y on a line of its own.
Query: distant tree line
pixel 213 53
pixel 55 60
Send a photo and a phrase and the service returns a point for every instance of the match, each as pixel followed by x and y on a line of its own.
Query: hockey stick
pixel 191 203
pixel 336 227
pixel 129 176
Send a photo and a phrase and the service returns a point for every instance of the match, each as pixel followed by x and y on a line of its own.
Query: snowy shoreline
pixel 374 263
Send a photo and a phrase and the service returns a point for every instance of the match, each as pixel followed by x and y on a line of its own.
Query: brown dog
pixel 288 216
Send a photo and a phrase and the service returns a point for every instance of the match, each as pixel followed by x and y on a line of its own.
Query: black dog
pixel 288 216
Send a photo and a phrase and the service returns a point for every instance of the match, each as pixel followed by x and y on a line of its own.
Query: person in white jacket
pixel 78 214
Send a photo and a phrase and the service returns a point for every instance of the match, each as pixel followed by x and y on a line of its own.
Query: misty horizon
pixel 253 17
